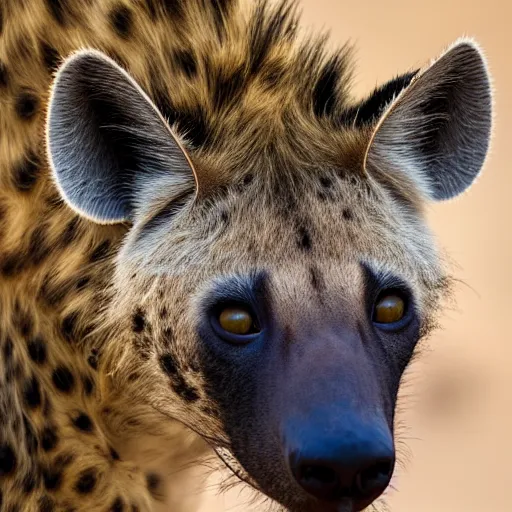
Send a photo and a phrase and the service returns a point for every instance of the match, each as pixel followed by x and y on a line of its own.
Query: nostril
pixel 332 480
pixel 319 474
pixel 373 479
pixel 320 481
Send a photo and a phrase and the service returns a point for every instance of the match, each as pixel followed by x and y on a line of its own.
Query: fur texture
pixel 107 394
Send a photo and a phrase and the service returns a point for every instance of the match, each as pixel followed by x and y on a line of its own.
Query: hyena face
pixel 272 302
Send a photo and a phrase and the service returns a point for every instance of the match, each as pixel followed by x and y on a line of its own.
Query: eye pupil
pixel 389 309
pixel 236 321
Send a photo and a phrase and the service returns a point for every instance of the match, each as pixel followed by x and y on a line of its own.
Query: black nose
pixel 357 467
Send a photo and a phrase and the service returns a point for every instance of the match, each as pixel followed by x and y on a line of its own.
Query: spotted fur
pixel 104 390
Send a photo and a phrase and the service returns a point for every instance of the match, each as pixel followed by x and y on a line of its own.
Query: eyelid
pixel 375 282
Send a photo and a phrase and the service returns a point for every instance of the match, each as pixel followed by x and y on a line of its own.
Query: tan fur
pixel 49 269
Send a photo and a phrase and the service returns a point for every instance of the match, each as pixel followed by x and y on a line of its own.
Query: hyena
pixel 208 246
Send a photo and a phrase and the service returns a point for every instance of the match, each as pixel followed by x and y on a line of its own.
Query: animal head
pixel 273 284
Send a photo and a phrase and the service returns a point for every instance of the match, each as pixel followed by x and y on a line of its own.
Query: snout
pixel 347 461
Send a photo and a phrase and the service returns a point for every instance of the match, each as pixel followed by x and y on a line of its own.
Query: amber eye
pixel 237 320
pixel 389 309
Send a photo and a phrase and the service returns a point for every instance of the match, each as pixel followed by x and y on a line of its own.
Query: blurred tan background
pixel 458 409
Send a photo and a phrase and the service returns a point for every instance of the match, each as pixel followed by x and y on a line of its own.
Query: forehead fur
pixel 250 79
pixel 310 226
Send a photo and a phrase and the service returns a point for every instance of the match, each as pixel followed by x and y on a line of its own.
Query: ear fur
pixel 438 129
pixel 107 143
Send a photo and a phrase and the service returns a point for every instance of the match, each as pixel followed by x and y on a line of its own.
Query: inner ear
pixel 438 129
pixel 107 142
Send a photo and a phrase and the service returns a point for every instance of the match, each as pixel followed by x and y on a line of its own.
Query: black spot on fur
pixel 138 321
pixel 121 19
pixel 370 110
pixel 8 350
pixel 86 481
pixel 53 200
pixel 27 104
pixel 194 124
pixel 22 320
pixel 46 504
pixel 168 365
pixel 32 393
pixel 227 87
pixel 173 8
pixel 316 279
pixel 30 481
pixel 37 350
pixel 220 10
pixel 52 477
pixel 4 75
pixel 83 422
pixel 82 282
pixel 117 506
pixel 26 172
pixel 153 483
pixel 93 361
pixel 186 61
pixel 68 326
pixel 178 383
pixel 114 454
pixel 60 10
pixel 326 181
pixel 63 379
pixel 135 508
pixel 38 249
pixel 304 239
pixel 267 30
pixel 50 56
pixel 53 293
pixel 152 8
pixel 347 214
pixel 49 439
pixel 12 264
pixel 324 92
pixel 7 459
pixel 88 385
pixel 100 252
pixel 70 232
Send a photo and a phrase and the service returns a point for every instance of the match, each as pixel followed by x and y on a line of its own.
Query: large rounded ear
pixel 437 130
pixel 107 143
